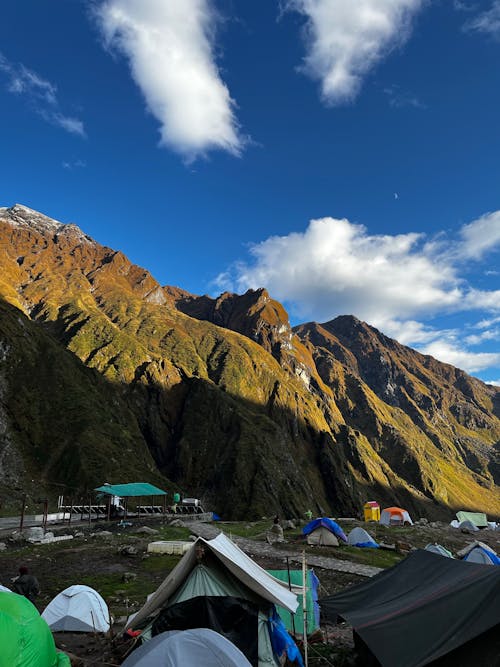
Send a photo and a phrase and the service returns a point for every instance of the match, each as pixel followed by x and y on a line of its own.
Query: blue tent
pixel 329 524
pixel 483 556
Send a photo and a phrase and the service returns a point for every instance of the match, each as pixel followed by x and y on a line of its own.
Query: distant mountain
pixel 105 375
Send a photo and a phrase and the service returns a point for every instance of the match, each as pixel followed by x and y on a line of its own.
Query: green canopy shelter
pixel 135 489
pixel 25 638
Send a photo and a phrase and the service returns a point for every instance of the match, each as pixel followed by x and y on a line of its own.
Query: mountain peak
pixel 23 216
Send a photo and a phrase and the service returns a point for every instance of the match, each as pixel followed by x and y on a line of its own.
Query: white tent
pixel 77 609
pixel 322 537
pixel 4 589
pixel 190 648
pixel 358 536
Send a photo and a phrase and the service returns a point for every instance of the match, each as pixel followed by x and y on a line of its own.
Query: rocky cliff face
pixel 106 376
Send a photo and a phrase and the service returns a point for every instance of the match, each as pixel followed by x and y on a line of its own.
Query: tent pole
pixel 304 605
pixel 290 588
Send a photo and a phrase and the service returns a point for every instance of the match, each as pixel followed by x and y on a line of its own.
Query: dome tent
pixel 77 609
pixel 395 516
pixel 25 637
pixel 324 532
pixel 200 646
pixel 482 556
pixel 438 549
pixel 358 537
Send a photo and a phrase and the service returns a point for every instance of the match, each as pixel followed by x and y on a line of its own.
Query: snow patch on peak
pixel 22 216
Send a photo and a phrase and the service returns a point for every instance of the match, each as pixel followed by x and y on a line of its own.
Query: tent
pixel 468 547
pixel 25 637
pixel 395 516
pixel 482 556
pixel 468 526
pixel 477 518
pixel 324 532
pixel 438 549
pixel 190 648
pixel 218 586
pixel 77 609
pixel 358 537
pixel 295 623
pixel 424 610
pixel 5 589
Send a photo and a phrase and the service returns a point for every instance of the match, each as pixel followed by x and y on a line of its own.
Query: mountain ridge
pixel 233 404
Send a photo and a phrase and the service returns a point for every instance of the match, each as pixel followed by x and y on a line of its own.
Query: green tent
pixel 312 608
pixel 134 489
pixel 25 638
pixel 477 518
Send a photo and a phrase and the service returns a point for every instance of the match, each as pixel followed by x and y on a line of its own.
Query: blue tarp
pixel 325 522
pixel 281 640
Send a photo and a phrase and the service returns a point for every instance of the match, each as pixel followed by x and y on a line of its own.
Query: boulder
pixel 35 534
pixel 146 530
pixel 289 525
pixel 177 523
pixel 128 576
pixel 3 546
pixel 103 534
pixel 128 550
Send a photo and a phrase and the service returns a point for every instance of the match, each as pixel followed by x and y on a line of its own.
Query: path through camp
pixel 254 548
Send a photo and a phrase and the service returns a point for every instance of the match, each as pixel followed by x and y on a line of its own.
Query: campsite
pixel 113 560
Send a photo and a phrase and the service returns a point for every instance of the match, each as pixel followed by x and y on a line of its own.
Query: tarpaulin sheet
pixel 421 609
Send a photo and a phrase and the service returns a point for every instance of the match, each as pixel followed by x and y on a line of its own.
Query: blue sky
pixel 342 154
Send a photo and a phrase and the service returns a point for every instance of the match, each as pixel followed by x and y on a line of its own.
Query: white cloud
pixel 480 236
pixel 487 22
pixel 345 39
pixel 40 93
pixel 170 49
pixel 397 283
pixel 495 383
pixel 454 354
pixel 336 267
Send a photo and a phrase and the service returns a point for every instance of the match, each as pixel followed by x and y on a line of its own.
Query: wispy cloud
pixel 171 52
pixel 346 39
pixel 40 94
pixel 399 98
pixel 74 164
pixel 487 22
pixel 394 282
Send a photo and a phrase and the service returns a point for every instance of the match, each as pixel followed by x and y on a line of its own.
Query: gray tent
pixel 187 648
pixel 438 549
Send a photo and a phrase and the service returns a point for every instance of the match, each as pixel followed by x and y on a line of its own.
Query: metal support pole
pixel 45 514
pixel 304 605
pixel 90 516
pixel 23 508
pixel 70 511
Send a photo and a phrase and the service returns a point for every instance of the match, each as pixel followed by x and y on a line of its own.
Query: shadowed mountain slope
pixel 220 395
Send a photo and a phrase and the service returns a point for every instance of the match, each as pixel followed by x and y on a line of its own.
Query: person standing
pixel 26 584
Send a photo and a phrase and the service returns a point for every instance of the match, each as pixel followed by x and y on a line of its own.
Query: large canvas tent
pixel 77 609
pixel 191 648
pixel 25 638
pixel 218 586
pixel 478 519
pixel 425 610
